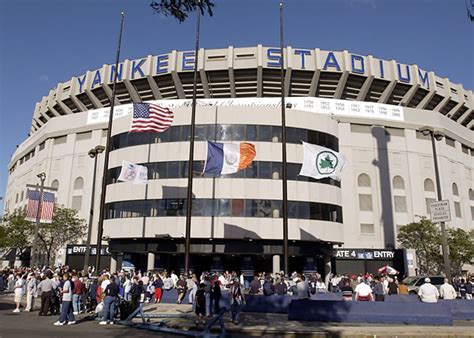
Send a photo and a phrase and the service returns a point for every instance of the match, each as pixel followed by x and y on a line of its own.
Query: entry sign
pixel 440 211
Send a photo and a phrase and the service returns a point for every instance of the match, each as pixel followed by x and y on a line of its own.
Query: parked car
pixel 413 283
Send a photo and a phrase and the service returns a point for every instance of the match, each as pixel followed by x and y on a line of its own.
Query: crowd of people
pixel 66 293
pixel 375 288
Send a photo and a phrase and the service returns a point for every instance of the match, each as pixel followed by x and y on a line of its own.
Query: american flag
pixel 150 117
pixel 47 206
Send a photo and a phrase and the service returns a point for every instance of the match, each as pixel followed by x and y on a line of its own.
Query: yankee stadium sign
pixel 297 59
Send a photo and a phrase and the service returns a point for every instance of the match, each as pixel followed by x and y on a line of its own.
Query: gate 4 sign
pixel 440 211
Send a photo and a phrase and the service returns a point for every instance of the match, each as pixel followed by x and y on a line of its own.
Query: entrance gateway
pixel 357 261
pixel 241 255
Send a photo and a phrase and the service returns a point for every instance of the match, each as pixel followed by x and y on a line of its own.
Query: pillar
pixel 151 261
pixel 327 269
pixel 276 264
pixel 113 264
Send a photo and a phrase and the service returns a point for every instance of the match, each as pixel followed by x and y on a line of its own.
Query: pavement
pixel 181 317
pixel 278 325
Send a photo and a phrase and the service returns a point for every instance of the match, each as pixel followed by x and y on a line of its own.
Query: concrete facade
pixel 387 182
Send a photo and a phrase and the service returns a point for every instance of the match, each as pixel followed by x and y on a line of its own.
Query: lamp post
pixel 93 153
pixel 438 136
pixel 34 248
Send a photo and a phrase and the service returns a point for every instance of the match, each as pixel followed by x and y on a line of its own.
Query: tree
pixel 66 227
pixel 180 8
pixel 15 231
pixel 425 238
pixel 461 248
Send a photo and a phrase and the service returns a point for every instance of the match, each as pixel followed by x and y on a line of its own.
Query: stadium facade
pixel 369 109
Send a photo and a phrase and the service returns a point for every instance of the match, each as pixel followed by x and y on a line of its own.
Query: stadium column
pixel 150 265
pixel 113 263
pixel 327 269
pixel 276 264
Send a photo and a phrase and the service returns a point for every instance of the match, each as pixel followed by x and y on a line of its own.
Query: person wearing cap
pixel 428 293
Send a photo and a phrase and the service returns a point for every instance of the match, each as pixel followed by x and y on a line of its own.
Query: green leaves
pixel 425 237
pixel 326 163
pixel 180 8
pixel 16 232
pixel 65 228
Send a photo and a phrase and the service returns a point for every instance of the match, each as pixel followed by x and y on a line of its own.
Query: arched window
pixel 429 185
pixel 78 183
pixel 363 180
pixel 55 184
pixel 471 194
pixel 455 189
pixel 398 183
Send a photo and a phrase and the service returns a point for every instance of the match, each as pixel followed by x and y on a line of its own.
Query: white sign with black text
pixel 440 211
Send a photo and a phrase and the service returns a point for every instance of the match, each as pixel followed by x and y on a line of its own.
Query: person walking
pixel 31 291
pixel 92 295
pixel 378 290
pixel 111 293
pixel 158 285
pixel 200 304
pixel 236 301
pixel 216 296
pixel 67 315
pixel 77 294
pixel 181 285
pixel 19 289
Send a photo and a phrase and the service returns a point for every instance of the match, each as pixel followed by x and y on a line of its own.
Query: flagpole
pixel 283 148
pixel 100 226
pixel 34 247
pixel 146 191
pixel 189 209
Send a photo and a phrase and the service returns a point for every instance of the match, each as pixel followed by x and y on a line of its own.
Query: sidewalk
pixel 269 324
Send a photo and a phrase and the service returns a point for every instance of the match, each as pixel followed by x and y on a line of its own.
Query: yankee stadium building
pixel 381 115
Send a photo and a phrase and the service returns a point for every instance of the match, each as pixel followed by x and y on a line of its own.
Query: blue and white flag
pixel 134 173
pixel 228 158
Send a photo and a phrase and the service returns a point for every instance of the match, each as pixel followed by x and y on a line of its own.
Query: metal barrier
pixel 161 326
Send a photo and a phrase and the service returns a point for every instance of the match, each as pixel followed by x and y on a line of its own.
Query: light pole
pixel 34 249
pixel 438 136
pixel 93 153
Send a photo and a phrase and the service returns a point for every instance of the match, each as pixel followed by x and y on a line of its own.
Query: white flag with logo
pixel 320 162
pixel 134 173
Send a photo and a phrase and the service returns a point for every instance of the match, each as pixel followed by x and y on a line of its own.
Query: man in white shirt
pixel 428 293
pixel 447 291
pixel 363 292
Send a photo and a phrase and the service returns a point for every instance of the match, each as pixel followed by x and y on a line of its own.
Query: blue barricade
pixel 327 296
pixel 267 304
pixel 370 312
pixel 461 309
pixel 402 298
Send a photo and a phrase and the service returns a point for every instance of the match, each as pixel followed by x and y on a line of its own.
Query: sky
pixel 43 43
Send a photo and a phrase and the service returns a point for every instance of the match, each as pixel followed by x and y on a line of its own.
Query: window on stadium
pixel 224 208
pixel 226 132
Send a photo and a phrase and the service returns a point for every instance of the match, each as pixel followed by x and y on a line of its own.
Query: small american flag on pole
pixel 150 117
pixel 47 206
